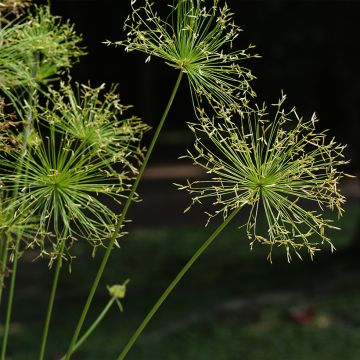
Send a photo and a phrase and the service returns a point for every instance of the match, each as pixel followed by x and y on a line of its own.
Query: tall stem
pixel 121 220
pixel 51 300
pixel 93 326
pixel 26 132
pixel 10 302
pixel 3 261
pixel 173 284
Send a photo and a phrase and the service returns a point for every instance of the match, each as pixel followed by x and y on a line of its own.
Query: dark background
pixel 309 49
pixel 234 304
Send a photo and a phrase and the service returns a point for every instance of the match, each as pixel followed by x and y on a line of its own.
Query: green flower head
pixel 196 39
pixel 70 183
pixel 280 168
pixel 95 117
pixel 36 48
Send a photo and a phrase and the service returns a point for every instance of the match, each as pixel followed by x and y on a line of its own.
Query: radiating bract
pixel 280 168
pixel 71 183
pixel 198 40
pixel 96 117
pixel 35 49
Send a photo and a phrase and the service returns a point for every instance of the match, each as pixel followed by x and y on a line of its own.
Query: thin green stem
pixel 173 284
pixel 51 300
pixel 4 257
pixel 93 326
pixel 10 302
pixel 121 220
pixel 27 129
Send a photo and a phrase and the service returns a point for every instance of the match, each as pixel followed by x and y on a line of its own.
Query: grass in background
pixel 235 305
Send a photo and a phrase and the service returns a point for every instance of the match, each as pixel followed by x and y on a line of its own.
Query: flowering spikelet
pixel 96 118
pixel 13 7
pixel 277 168
pixel 194 39
pixel 73 186
pixel 8 126
pixel 36 48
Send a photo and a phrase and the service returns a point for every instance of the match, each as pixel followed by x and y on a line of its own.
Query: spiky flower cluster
pixel 74 185
pixel 96 118
pixel 35 48
pixel 8 129
pixel 197 40
pixel 276 167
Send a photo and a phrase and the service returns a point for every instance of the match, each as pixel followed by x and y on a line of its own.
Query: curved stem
pixel 10 302
pixel 121 220
pixel 51 300
pixel 173 284
pixel 93 326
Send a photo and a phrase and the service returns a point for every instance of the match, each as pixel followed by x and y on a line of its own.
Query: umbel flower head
pixel 198 40
pixel 280 168
pixel 96 118
pixel 36 48
pixel 74 189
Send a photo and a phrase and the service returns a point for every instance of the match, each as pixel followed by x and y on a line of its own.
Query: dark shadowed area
pixel 234 304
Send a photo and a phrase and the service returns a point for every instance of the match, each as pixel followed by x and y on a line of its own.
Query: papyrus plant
pixel 277 166
pixel 70 160
pixel 68 156
pixel 196 38
pixel 76 172
pixel 35 49
pixel 79 167
pixel 274 166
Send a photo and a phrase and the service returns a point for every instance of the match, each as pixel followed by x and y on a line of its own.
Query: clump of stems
pixel 70 164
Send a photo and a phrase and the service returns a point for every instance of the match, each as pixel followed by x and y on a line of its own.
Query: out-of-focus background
pixel 233 304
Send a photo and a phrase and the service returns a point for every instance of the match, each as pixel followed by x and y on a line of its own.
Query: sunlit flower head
pixel 279 167
pixel 198 40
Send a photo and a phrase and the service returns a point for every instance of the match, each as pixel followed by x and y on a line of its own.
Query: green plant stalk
pixel 4 254
pixel 10 303
pixel 121 220
pixel 93 326
pixel 30 118
pixel 51 301
pixel 173 284
pixel 26 132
